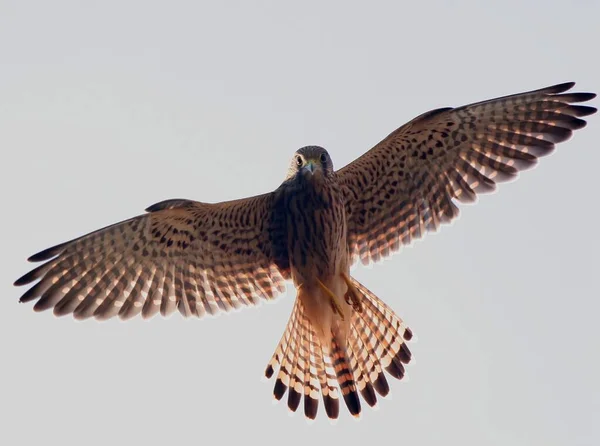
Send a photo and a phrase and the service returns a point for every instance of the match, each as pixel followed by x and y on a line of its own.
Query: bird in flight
pixel 341 340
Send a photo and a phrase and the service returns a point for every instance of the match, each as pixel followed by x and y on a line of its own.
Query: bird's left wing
pixel 407 184
pixel 195 257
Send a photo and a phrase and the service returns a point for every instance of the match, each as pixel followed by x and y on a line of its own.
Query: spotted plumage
pixel 341 340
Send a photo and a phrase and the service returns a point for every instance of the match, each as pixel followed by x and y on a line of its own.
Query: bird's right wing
pixel 195 257
pixel 408 183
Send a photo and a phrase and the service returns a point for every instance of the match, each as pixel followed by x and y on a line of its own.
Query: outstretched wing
pixel 407 184
pixel 195 257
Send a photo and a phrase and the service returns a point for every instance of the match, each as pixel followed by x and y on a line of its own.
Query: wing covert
pixel 408 183
pixel 195 257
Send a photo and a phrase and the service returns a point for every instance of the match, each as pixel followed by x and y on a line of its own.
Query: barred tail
pixel 375 342
pixel 345 375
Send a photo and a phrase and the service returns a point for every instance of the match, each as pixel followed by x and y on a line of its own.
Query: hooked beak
pixel 309 169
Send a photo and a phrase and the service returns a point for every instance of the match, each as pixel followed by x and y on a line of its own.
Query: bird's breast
pixel 316 233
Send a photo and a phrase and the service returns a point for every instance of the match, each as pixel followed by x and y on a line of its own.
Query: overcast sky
pixel 110 107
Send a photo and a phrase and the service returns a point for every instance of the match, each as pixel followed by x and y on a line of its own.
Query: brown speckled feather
pixel 183 255
pixel 341 341
pixel 409 182
pixel 377 343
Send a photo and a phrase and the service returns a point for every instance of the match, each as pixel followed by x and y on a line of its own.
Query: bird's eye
pixel 299 160
pixel 323 158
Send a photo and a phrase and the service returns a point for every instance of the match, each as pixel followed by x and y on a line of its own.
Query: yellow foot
pixel 334 300
pixel 352 296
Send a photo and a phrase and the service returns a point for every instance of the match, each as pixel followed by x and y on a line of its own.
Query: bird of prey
pixel 200 258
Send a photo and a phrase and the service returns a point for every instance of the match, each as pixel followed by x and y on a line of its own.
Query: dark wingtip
pixel 588 96
pixel 167 204
pixel 45 303
pixel 33 275
pixel 408 334
pixel 47 254
pixel 25 279
pixel 577 97
pixel 577 124
pixel 582 110
pixel 558 135
pixel 560 88
pixel 31 294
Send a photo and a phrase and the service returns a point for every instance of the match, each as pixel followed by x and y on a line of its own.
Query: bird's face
pixel 311 163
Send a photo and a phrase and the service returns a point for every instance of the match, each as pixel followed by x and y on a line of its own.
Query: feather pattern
pixel 183 255
pixel 408 184
pixel 341 340
pixel 377 341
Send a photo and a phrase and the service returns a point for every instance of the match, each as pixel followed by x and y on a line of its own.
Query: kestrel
pixel 203 258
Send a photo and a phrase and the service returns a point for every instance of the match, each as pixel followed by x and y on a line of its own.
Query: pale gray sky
pixel 110 107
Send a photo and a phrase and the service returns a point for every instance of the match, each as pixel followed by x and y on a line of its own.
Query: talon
pixel 352 295
pixel 334 300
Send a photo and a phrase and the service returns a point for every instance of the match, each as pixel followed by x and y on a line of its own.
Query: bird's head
pixel 311 162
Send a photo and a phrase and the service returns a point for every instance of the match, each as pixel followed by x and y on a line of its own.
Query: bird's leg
pixel 334 300
pixel 352 295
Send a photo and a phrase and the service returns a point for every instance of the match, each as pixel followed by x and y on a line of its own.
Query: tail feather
pixel 286 357
pixel 328 383
pixel 311 382
pixel 277 357
pixel 389 331
pixel 297 370
pixel 345 376
pixel 372 361
pixel 360 363
pixel 355 365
